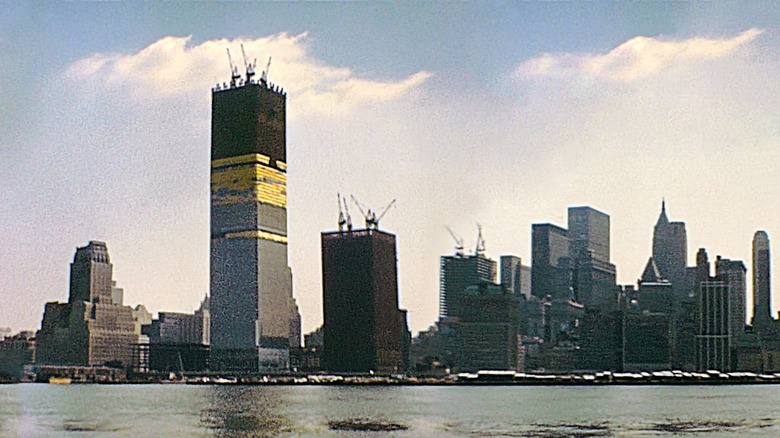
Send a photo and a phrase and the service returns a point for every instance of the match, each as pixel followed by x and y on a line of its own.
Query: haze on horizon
pixel 502 114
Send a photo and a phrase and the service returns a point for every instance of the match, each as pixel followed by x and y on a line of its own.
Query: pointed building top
pixel 662 219
pixel 651 273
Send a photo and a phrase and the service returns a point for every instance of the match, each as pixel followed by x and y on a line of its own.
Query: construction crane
pixel 480 246
pixel 458 242
pixel 348 216
pixel 234 75
pixel 381 215
pixel 372 220
pixel 342 218
pixel 250 66
pixel 264 74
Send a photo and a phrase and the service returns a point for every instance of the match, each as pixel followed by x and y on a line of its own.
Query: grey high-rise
pixel 670 249
pixel 252 309
pixel 457 272
pixel 588 233
pixel 550 263
pixel 732 272
pixel 762 292
pixel 594 278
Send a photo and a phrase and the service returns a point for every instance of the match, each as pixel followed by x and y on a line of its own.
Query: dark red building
pixel 363 330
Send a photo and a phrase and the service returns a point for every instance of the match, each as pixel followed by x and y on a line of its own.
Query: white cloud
pixel 638 58
pixel 172 67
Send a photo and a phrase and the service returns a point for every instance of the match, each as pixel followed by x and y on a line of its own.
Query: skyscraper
pixel 456 273
pixel 594 278
pixel 732 272
pixel 588 234
pixel 713 336
pixel 670 249
pixel 91 328
pixel 762 292
pixel 252 308
pixel 515 276
pixel 550 262
pixel 363 329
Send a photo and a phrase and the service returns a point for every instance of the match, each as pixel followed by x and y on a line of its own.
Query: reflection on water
pixel 245 411
pixel 41 410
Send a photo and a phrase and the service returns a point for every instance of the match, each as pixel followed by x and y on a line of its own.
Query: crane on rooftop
pixel 458 242
pixel 372 220
pixel 250 66
pixel 234 75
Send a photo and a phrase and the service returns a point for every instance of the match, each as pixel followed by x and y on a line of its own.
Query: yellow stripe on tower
pixel 257 234
pixel 242 159
pixel 254 182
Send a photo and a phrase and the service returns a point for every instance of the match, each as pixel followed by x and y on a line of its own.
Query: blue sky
pixel 498 113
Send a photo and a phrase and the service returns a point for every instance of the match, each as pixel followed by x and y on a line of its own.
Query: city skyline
pixel 506 125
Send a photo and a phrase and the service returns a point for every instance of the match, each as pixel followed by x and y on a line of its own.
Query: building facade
pixel 670 247
pixel 762 292
pixel 456 273
pixel 594 278
pixel 713 335
pixel 252 308
pixel 515 276
pixel 550 262
pixel 91 329
pixel 733 273
pixel 363 330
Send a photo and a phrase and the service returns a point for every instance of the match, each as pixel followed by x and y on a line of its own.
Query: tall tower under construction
pixel 254 319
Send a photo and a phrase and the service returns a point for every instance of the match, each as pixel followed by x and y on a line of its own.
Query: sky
pixel 502 114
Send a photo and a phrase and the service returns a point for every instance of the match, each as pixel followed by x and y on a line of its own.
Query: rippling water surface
pixel 41 410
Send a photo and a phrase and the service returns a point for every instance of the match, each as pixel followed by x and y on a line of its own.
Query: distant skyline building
pixel 363 330
pixel 670 253
pixel 588 234
pixel 733 273
pixel 456 273
pixel 762 292
pixel 91 329
pixel 713 336
pixel 515 276
pixel 551 265
pixel 594 280
pixel 253 313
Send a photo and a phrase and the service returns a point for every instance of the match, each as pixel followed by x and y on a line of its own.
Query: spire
pixel 662 219
pixel 651 273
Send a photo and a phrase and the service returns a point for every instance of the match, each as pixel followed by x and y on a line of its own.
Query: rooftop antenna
pixel 480 247
pixel 233 70
pixel 342 219
pixel 264 74
pixel 458 242
pixel 250 66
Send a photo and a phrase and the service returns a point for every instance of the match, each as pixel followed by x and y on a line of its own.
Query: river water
pixel 42 410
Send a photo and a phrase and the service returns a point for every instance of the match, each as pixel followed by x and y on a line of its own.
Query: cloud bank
pixel 638 58
pixel 173 67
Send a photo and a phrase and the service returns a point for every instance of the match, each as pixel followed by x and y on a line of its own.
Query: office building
pixel 594 277
pixel 252 307
pixel 713 336
pixel 363 329
pixel 91 329
pixel 551 267
pixel 515 276
pixel 670 248
pixel 588 234
pixel 762 292
pixel 486 336
pixel 456 273
pixel 733 273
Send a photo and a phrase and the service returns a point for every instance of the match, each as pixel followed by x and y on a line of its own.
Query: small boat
pixel 60 380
